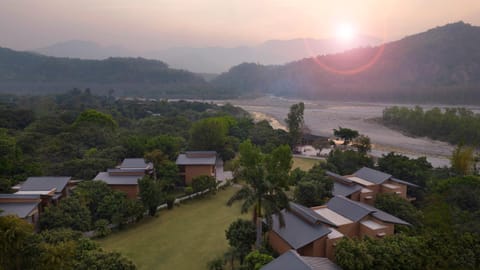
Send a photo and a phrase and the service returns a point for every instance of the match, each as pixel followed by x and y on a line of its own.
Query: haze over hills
pixel 439 65
pixel 213 59
pixel 84 50
pixel 29 73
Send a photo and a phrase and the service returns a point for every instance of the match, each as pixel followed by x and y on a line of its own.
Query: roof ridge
pixel 300 258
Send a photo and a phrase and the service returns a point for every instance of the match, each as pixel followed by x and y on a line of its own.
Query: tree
pixel 314 188
pixel 150 194
pixel 295 123
pixel 256 260
pixel 347 162
pixel 416 171
pixel 399 207
pixel 463 160
pixel 353 255
pixel 70 213
pixel 241 236
pixel 263 193
pixel 209 134
pixel 362 143
pixel 346 134
pixel 15 237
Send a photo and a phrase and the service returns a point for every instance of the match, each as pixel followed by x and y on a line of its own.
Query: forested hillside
pixel 23 72
pixel 79 134
pixel 439 65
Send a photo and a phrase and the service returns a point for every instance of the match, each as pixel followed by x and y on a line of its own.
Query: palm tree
pixel 266 178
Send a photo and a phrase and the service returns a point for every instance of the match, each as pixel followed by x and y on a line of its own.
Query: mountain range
pixel 213 59
pixel 441 65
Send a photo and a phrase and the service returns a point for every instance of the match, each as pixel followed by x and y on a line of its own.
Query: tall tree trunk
pixel 258 242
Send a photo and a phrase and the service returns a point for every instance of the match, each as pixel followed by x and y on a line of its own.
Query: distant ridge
pixel 439 65
pixel 212 59
pixel 30 73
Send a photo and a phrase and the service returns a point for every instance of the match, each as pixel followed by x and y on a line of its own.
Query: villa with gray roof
pixel 366 183
pixel 24 206
pixel 50 188
pixel 315 231
pixel 125 176
pixel 192 164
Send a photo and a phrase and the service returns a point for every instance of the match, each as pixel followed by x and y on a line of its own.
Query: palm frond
pixel 242 194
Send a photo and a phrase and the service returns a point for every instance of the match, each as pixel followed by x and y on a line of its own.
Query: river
pixel 323 116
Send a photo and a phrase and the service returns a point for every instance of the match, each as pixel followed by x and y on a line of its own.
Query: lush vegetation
pixel 79 134
pixel 21 248
pixel 92 201
pixel 453 125
pixel 21 72
pixel 445 234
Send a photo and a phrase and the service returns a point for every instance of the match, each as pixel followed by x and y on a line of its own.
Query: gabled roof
pixel 135 163
pixel 308 214
pixel 197 158
pixel 297 232
pixel 404 182
pixel 20 209
pixel 291 260
pixel 117 179
pixel 356 210
pixel 342 189
pixel 347 208
pixel 371 175
pixel 45 183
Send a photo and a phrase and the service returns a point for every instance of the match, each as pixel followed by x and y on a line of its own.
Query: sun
pixel 345 32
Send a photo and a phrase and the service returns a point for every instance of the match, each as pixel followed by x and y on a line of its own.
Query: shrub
pixel 188 190
pixel 101 228
pixel 256 260
pixel 204 182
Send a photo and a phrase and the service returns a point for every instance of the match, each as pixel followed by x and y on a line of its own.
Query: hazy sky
pixel 151 24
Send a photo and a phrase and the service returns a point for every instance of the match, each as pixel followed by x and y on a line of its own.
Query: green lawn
pixel 304 163
pixel 187 237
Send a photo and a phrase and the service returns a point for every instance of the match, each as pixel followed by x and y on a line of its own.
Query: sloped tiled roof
pixel 345 189
pixel 371 175
pixel 308 214
pixel 116 179
pixel 135 163
pixel 297 232
pixel 19 209
pixel 291 260
pixel 203 158
pixel 45 183
pixel 404 182
pixel 355 211
pixel 347 208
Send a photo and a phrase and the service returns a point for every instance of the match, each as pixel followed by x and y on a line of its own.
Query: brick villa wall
pixel 192 171
pixel 131 190
pixel 277 243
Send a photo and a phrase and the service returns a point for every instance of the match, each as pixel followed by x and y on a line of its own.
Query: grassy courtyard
pixel 304 163
pixel 188 237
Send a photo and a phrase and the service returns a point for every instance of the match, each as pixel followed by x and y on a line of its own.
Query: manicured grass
pixel 187 237
pixel 304 163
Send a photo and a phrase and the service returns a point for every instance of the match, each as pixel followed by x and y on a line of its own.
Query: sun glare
pixel 345 32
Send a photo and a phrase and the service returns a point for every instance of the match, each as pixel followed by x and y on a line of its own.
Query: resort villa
pixel 192 164
pixel 126 175
pixel 364 185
